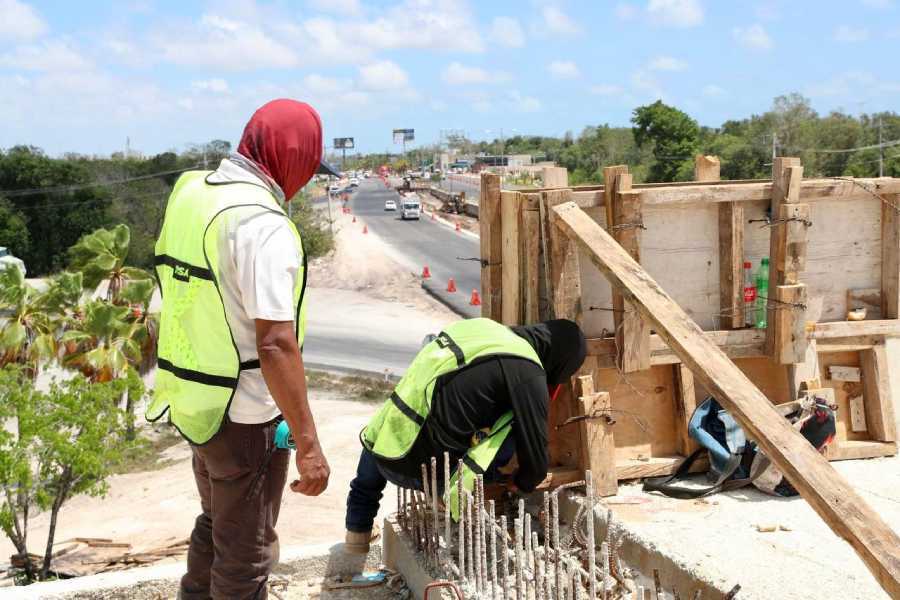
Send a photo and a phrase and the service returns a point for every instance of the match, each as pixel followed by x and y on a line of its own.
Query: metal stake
pixel 479 576
pixel 469 552
pixel 504 562
pixel 434 510
pixel 447 507
pixel 493 547
pixel 460 509
pixel 591 542
pixel 554 524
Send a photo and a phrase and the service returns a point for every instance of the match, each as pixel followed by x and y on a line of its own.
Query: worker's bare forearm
pixel 282 368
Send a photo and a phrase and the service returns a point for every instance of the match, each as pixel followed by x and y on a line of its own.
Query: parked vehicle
pixel 334 188
pixel 7 258
pixel 411 209
pixel 390 204
pixel 354 182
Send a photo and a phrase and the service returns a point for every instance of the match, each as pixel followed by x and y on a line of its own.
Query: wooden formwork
pixel 833 244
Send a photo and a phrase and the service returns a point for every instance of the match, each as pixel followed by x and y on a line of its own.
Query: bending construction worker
pixel 232 273
pixel 479 391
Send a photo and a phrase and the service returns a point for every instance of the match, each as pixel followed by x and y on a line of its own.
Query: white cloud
pixel 646 84
pixel 20 22
pixel 429 24
pixel 625 11
pixel 667 63
pixel 320 84
pixel 714 91
pixel 521 103
pixel 341 7
pixel 850 35
pixel 853 85
pixel 459 74
pixel 675 13
pixel 507 31
pixel 754 36
pixel 556 21
pixel 56 56
pixel 563 69
pixel 604 89
pixel 215 85
pixel 382 76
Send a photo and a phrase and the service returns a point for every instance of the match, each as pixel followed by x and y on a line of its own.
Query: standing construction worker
pixel 232 274
pixel 479 391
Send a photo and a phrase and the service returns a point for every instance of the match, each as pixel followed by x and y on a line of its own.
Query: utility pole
pixel 774 146
pixel 880 147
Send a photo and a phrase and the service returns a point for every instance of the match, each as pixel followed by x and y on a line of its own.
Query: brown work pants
pixel 234 545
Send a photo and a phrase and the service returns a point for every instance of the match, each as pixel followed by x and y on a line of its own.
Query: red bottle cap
pixel 747 264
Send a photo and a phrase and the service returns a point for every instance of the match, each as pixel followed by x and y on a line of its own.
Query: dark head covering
pixel 559 344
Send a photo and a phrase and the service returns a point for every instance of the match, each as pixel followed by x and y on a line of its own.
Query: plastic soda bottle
pixel 762 293
pixel 749 296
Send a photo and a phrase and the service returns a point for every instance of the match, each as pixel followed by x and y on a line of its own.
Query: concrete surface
pixel 400 555
pixel 322 560
pixel 419 243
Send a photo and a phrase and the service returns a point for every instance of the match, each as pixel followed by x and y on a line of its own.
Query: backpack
pixel 735 461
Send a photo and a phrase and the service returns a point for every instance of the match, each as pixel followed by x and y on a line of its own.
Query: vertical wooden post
pixel 610 175
pixel 632 331
pixel 685 404
pixel 877 394
pixel 890 258
pixel 555 177
pixel 511 221
pixel 785 340
pixel 598 448
pixel 706 168
pixel 491 247
pixel 531 255
pixel 565 275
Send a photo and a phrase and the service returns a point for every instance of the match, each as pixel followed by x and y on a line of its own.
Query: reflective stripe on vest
pixel 392 431
pixel 199 364
pixel 476 461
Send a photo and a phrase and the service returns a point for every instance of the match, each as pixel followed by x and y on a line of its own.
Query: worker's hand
pixel 314 472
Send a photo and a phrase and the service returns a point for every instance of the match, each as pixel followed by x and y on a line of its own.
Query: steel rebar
pixel 604 570
pixel 461 538
pixel 591 542
pixel 554 525
pixel 493 547
pixel 518 560
pixel 545 516
pixel 504 561
pixel 447 506
pixel 477 525
pixel 434 511
pixel 426 502
pixel 469 540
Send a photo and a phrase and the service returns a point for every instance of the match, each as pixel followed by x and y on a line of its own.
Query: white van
pixel 410 208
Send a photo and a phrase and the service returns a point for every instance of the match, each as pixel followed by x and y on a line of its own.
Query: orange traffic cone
pixel 432 215
pixel 451 285
pixel 476 298
pixel 457 226
pixel 365 229
pixel 354 218
pixel 426 272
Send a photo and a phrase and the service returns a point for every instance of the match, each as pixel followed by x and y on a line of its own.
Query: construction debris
pixel 540 557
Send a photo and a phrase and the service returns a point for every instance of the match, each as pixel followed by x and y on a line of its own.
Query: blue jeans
pixel 367 487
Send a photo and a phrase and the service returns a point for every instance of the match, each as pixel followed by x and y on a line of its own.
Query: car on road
pixel 334 188
pixel 7 259
pixel 354 182
pixel 410 209
pixel 390 204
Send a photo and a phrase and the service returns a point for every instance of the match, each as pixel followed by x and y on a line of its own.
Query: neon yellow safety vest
pixel 393 430
pixel 198 361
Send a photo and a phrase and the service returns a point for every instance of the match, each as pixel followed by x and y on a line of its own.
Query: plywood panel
pixel 771 379
pixel 643 405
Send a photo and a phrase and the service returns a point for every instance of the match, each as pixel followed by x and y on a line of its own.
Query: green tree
pixel 100 256
pixel 13 229
pixel 674 137
pixel 64 442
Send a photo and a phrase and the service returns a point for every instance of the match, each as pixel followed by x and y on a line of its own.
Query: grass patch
pixel 358 387
pixel 146 453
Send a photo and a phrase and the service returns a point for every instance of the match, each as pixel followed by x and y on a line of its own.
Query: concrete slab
pixel 400 555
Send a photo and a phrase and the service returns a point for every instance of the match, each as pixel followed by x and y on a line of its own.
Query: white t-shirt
pixel 260 263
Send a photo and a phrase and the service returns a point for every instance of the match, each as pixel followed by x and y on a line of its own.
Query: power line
pixel 82 186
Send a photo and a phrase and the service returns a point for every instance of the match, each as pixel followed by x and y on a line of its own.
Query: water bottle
pixel 762 293
pixel 749 296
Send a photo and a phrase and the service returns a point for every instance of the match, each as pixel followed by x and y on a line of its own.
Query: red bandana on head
pixel 284 138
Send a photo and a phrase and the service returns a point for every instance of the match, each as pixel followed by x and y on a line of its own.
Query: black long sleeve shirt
pixel 472 399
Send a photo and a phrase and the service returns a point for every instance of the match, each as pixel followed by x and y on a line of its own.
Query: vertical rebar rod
pixel 557 553
pixel 460 510
pixel 698 594
pixel 447 507
pixel 479 576
pixel 426 501
pixel 546 525
pixel 484 535
pixel 493 547
pixel 540 573
pixel 434 511
pixel 401 508
pixel 504 561
pixel 604 570
pixel 518 567
pixel 529 550
pixel 591 542
pixel 469 540
pixel 657 584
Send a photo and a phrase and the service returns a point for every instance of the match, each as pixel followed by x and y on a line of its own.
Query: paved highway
pixel 472 189
pixel 423 242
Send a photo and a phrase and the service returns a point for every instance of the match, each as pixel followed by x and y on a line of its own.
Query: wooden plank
pixel 731 265
pixel 565 280
pixel 610 175
pixel 632 331
pixel 598 448
pixel 656 466
pixel 858 414
pixel 558 476
pixel 810 190
pixel 491 246
pixel 852 329
pixel 824 489
pixel 839 373
pixel 868 299
pixel 890 258
pixel 877 394
pixel 532 266
pixel 854 450
pixel 706 168
pixel 803 371
pixel 555 177
pixel 739 343
pixel 788 324
pixel 511 225
pixel 685 404
pixel 794 218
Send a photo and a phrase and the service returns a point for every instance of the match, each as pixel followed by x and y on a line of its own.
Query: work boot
pixel 357 542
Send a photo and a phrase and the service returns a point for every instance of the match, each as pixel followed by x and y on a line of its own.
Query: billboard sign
pixel 343 143
pixel 402 136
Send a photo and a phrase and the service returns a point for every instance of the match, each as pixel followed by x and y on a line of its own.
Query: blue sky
pixel 83 76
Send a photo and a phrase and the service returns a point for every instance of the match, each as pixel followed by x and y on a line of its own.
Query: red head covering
pixel 284 138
